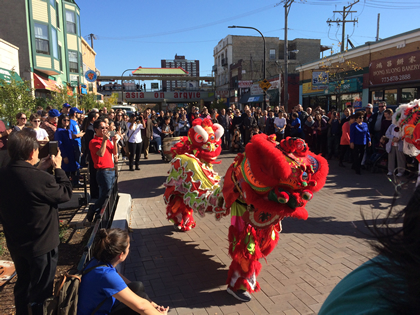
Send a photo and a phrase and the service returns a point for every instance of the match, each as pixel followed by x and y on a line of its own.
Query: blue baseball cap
pixel 66 105
pixel 53 113
pixel 75 110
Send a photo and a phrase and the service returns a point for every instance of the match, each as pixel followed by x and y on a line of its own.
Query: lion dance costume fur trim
pixel 191 177
pixel 268 182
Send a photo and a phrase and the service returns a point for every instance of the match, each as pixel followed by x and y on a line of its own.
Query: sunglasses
pixel 24 118
pixel 381 106
pixel 66 119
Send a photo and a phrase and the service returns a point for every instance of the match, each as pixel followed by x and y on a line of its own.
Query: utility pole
pixel 377 28
pixel 92 37
pixel 344 14
pixel 287 5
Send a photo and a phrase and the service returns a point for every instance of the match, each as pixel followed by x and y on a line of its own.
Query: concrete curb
pixel 122 212
pixel 122 218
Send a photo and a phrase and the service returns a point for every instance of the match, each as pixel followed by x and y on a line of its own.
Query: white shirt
pixel 280 123
pixel 134 135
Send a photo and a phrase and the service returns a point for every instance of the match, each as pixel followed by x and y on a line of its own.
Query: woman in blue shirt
pixel 359 139
pixel 65 143
pixel 105 285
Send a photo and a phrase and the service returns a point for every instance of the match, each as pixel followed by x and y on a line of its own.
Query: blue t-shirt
pixel 98 284
pixel 74 128
pixel 296 122
pixel 358 294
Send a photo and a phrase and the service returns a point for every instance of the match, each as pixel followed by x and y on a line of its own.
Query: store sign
pixel 257 90
pixel 244 84
pixel 320 80
pixel 167 96
pixel 345 86
pixel 401 68
pixel 91 76
pixel 308 88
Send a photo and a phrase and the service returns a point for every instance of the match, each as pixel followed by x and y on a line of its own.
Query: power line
pixel 344 14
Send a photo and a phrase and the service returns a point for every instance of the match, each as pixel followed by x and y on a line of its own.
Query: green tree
pixel 58 98
pixel 15 96
pixel 111 101
pixel 218 104
pixel 88 101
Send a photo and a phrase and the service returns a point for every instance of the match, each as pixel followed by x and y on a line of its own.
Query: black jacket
pixel 28 207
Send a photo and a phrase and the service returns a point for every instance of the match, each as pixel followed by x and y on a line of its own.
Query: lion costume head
pixel 274 179
pixel 203 141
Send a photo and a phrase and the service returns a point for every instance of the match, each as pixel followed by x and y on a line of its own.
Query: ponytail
pixel 109 244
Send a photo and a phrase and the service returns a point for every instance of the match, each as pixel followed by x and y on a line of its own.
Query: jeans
pixel 105 179
pixel 35 278
pixel 158 141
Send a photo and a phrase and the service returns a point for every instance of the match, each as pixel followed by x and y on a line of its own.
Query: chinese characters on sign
pixel 400 68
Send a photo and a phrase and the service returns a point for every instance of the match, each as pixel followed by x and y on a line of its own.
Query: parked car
pixel 127 108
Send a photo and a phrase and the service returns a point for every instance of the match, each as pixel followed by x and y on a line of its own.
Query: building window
pixel 57 15
pixel 42 40
pixel 54 42
pixel 272 54
pixel 71 22
pixel 78 25
pixel 73 62
pixel 52 3
pixel 60 58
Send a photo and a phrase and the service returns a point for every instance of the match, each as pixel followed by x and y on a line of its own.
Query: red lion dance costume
pixel 268 182
pixel 191 177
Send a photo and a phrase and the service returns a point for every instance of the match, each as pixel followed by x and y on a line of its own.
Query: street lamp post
pixel 122 90
pixel 253 28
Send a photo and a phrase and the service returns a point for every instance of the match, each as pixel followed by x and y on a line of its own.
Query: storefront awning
pixel 45 84
pixel 7 76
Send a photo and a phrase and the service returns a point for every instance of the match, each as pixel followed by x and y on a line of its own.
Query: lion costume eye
pixel 200 134
pixel 307 195
pixel 212 137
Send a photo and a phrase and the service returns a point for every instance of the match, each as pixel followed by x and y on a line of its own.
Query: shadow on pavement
pixel 146 187
pixel 192 277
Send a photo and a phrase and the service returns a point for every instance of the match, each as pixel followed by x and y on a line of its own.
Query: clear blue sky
pixel 134 33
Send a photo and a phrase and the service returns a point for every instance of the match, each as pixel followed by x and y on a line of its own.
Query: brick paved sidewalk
pixel 187 271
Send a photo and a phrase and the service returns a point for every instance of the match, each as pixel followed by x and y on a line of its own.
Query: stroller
pixel 378 160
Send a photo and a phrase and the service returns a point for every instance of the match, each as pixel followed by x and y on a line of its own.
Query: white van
pixel 127 108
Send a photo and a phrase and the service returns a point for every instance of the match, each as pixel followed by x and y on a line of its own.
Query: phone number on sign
pixel 394 78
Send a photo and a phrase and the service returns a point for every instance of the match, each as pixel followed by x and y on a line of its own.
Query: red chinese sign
pixel 401 68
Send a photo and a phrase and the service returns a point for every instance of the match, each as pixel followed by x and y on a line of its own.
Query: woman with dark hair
pixel 321 128
pixel 21 120
pixel 105 286
pixel 390 282
pixel 64 139
pixel 135 141
pixel 359 139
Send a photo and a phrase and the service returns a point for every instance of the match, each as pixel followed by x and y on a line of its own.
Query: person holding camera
pixel 29 215
pixel 135 141
pixel 102 148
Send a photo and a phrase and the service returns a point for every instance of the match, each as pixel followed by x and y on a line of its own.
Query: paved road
pixel 187 271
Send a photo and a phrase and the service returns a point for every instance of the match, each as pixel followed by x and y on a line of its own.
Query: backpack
pixel 66 294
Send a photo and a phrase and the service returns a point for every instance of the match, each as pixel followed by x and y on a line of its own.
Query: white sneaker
pixel 400 174
pixel 389 174
pixel 241 295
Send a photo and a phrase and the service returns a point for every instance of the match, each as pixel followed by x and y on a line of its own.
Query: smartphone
pixel 53 148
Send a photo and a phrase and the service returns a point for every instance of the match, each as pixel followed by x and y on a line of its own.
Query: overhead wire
pixel 265 8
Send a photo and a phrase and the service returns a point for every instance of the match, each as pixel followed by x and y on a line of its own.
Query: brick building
pixel 385 70
pixel 239 61
pixel 191 66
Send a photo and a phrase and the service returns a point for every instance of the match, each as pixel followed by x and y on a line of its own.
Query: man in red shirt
pixel 102 149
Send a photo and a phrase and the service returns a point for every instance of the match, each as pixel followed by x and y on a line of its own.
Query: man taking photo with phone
pixel 101 152
pixel 29 215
